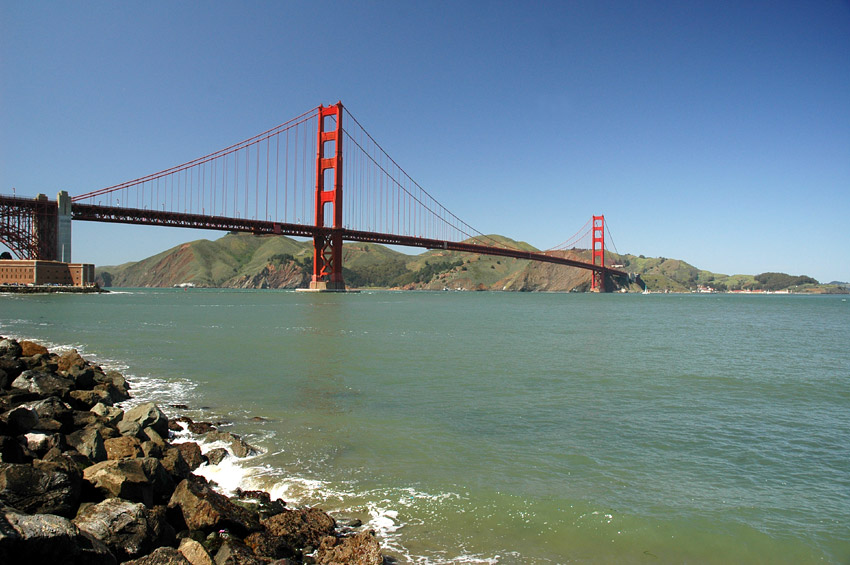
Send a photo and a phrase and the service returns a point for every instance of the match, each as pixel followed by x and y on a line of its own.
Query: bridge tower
pixel 597 283
pixel 327 244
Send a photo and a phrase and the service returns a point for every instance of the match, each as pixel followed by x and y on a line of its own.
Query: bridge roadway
pixel 114 214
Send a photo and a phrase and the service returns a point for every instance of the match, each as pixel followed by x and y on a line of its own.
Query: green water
pixel 509 428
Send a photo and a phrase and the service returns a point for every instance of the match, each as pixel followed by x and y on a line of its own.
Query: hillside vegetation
pixel 248 261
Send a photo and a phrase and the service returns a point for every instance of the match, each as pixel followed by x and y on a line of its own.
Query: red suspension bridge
pixel 288 180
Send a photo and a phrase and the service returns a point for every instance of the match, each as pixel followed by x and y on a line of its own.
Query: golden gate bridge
pixel 309 177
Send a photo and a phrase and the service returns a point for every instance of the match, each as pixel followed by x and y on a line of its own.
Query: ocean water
pixel 507 427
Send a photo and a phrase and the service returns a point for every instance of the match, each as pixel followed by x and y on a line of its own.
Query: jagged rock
pixel 20 420
pixel 268 545
pixel 89 442
pixel 124 447
pixel 86 399
pixel 192 455
pixel 237 444
pixel 115 393
pixel 46 538
pixel 50 488
pixel 110 414
pixel 149 434
pixel 69 359
pixel 233 552
pixel 301 528
pixel 42 383
pixel 142 416
pixel 83 376
pixel 139 480
pixel 11 451
pixel 217 455
pixel 174 463
pixel 161 556
pixel 194 552
pixel 30 348
pixel 360 549
pixel 259 501
pixel 197 428
pixel 151 449
pixel 40 443
pixel 10 347
pixel 13 367
pixel 204 509
pixel 53 414
pixel 124 527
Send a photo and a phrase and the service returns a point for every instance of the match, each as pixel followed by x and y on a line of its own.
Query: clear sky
pixel 716 132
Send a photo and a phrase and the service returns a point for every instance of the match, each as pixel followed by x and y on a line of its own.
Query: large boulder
pixel 20 419
pixel 128 529
pixel 192 455
pixel 46 538
pixel 50 488
pixel 139 480
pixel 233 552
pixel 42 383
pixel 89 442
pixel 204 509
pixel 143 416
pixel 301 528
pixel 195 552
pixel 30 348
pixel 124 447
pixel 53 414
pixel 10 348
pixel 360 549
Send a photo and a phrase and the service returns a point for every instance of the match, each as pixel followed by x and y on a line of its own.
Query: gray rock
pixel 144 416
pixel 10 347
pixel 86 399
pixel 43 383
pixel 46 538
pixel 233 552
pixel 20 420
pixel 89 442
pixel 124 527
pixel 139 480
pixel 51 488
pixel 111 415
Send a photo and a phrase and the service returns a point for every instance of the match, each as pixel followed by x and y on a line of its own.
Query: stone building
pixel 35 272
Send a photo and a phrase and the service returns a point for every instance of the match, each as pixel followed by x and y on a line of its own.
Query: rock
pixel 360 549
pixel 259 501
pixel 30 348
pixel 124 447
pixel 13 367
pixel 151 449
pixel 10 348
pixel 42 383
pixel 50 489
pixel 236 444
pixel 198 428
pixel 110 414
pixel 89 442
pixel 54 415
pixel 267 545
pixel 69 359
pixel 139 480
pixel 123 526
pixel 86 399
pixel 115 393
pixel 20 420
pixel 301 528
pixel 161 556
pixel 143 416
pixel 194 552
pixel 83 376
pixel 204 509
pixel 46 538
pixel 149 434
pixel 233 552
pixel 40 443
pixel 217 455
pixel 173 462
pixel 11 451
pixel 192 455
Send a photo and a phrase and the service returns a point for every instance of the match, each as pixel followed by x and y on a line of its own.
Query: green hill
pixel 248 261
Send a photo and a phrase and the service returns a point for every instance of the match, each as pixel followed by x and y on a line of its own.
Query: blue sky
pixel 713 132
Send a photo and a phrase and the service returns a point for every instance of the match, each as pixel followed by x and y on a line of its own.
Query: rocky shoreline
pixel 83 481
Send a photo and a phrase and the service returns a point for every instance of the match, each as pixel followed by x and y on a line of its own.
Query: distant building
pixel 26 272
